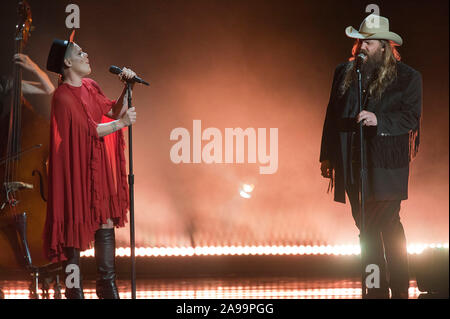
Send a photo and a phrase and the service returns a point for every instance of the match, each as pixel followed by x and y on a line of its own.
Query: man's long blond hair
pixel 386 74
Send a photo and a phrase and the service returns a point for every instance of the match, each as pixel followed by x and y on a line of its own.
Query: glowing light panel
pixel 337 250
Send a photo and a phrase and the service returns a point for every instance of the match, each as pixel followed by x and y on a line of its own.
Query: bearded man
pixel 392 106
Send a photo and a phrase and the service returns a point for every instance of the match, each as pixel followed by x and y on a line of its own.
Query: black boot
pixel 105 250
pixel 73 258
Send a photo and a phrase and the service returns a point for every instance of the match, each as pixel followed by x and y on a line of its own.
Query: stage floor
pixel 220 288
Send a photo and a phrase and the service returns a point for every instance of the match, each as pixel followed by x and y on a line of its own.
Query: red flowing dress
pixel 87 174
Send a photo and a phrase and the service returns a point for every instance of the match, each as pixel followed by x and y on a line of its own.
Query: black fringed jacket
pixel 389 146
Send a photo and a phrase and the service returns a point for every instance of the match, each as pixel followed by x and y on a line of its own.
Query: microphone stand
pixel 362 190
pixel 131 196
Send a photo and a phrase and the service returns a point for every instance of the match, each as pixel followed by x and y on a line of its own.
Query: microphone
pixel 359 60
pixel 116 70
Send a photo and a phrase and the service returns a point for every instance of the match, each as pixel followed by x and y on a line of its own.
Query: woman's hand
pixel 129 117
pixel 25 62
pixel 127 75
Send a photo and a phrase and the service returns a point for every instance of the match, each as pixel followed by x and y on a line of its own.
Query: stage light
pixel 248 188
pixel 244 194
pixel 337 250
pixel 245 190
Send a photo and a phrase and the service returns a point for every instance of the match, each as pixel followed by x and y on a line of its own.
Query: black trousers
pixel 384 242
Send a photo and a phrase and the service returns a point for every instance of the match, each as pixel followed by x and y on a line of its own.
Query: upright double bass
pixel 24 139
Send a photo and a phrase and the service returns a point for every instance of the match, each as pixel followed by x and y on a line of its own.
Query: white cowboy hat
pixel 374 27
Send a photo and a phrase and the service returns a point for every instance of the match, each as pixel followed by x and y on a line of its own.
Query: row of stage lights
pixel 337 250
pixel 225 293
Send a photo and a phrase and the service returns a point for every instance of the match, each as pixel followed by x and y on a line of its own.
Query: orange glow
pixel 249 64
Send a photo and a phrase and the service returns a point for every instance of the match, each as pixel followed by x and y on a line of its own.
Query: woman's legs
pixel 109 224
pixel 73 279
pixel 105 250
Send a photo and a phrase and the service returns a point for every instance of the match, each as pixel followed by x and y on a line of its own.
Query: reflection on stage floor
pixel 220 288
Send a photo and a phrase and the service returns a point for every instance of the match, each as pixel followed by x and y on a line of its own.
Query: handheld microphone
pixel 116 70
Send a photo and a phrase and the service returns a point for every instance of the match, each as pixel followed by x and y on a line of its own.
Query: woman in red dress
pixel 88 190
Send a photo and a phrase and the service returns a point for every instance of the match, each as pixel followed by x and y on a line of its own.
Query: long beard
pixel 375 69
pixel 372 65
pixel 370 68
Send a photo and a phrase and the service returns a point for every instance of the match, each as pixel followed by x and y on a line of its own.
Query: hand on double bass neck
pixel 44 86
pixel 25 62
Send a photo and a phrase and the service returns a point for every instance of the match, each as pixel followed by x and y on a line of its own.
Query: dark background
pixel 246 64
